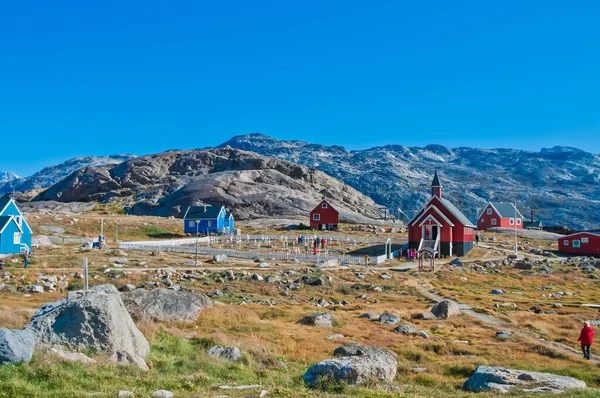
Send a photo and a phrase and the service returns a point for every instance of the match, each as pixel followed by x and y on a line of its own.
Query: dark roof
pixel 4 220
pixel 506 210
pixel 457 213
pixel 436 180
pixel 536 223
pixel 198 213
pixel 4 201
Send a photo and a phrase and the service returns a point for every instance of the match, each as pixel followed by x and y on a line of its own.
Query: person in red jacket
pixel 586 338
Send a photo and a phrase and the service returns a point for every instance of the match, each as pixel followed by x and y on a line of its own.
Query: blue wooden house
pixel 15 233
pixel 207 220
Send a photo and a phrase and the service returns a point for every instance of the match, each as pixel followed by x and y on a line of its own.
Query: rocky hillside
pixel 561 184
pixel 51 175
pixel 249 184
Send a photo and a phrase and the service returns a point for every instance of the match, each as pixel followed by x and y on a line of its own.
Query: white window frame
pixel 585 240
pixel 210 223
pixel 576 244
pixel 494 221
pixel 489 211
pixel 191 224
pixel 566 242
pixel 481 221
pixel 324 206
pixel 316 217
pixel 512 221
pixel 17 238
pixel 518 221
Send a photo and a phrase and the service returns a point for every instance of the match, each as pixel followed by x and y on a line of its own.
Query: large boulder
pixel 165 305
pixel 232 354
pixel 389 319
pixel 89 320
pixel 368 364
pixel 16 346
pixel 503 380
pixel 324 319
pixel 445 309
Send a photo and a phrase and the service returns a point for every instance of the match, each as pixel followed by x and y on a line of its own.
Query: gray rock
pixel 96 319
pixel 457 262
pixel 126 359
pixel 70 356
pixel 423 333
pixel 406 328
pixel 424 315
pixel 162 394
pixel 328 264
pixel 257 277
pixel 16 346
pixel 324 319
pixel 497 291
pixel 335 336
pixel 503 380
pixel 263 265
pixel 354 349
pixel 353 370
pixel 389 319
pixel 445 309
pixel 503 335
pixel 127 288
pixel 123 394
pixel 523 265
pixel 37 289
pixel 220 258
pixel 369 315
pixel 232 354
pixel 165 305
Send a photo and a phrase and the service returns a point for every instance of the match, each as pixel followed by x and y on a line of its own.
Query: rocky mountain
pixel 561 184
pixel 6 176
pixel 248 184
pixel 51 175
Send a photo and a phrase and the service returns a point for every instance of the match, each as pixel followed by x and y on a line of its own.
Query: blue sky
pixel 97 78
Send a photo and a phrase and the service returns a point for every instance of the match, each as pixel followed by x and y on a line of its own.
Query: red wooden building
pixel 440 226
pixel 324 217
pixel 500 215
pixel 580 243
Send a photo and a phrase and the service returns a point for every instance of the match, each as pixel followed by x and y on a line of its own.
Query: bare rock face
pixel 446 309
pixel 324 319
pixel 165 305
pixel 232 354
pixel 249 184
pixel 96 319
pixel 503 380
pixel 362 365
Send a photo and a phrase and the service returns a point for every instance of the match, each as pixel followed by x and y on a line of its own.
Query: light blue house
pixel 15 233
pixel 207 220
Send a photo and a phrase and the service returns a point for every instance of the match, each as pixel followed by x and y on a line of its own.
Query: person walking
pixel 586 338
pixel 1 265
pixel 367 261
pixel 26 262
pixel 315 250
pixel 477 239
pixel 323 243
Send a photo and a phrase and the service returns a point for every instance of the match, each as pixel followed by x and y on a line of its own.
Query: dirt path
pixel 427 290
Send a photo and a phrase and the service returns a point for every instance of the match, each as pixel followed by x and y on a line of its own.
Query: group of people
pixel 316 244
pixel 411 254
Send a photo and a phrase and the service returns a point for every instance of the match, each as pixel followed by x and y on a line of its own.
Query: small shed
pixel 15 233
pixel 580 244
pixel 207 219
pixel 324 217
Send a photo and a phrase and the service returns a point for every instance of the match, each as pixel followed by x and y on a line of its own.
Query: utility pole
pixel 516 238
pixel 197 226
pixel 85 274
pixel 117 234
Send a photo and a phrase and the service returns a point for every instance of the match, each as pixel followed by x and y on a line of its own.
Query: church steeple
pixel 436 187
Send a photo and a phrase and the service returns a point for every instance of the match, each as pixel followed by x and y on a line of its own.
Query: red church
pixel 324 217
pixel 440 226
pixel 500 215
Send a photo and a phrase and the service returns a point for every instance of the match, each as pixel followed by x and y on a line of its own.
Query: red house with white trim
pixel 440 226
pixel 500 215
pixel 324 217
pixel 580 244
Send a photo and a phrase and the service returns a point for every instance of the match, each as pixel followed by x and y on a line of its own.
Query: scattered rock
pixel 220 258
pixel 124 393
pixel 324 319
pixel 502 335
pixel 354 349
pixel 70 356
pixel 95 319
pixel 445 309
pixel 389 319
pixel 335 336
pixel 424 315
pixel 503 380
pixel 165 305
pixel 232 354
pixel 423 333
pixel 257 277
pixel 369 315
pixel 457 262
pixel 162 394
pixel 16 346
pixel 406 328
pixel 328 264
pixel 127 359
pixel 497 291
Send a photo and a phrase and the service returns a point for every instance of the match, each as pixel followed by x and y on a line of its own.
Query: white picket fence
pixel 163 243
pixel 303 258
